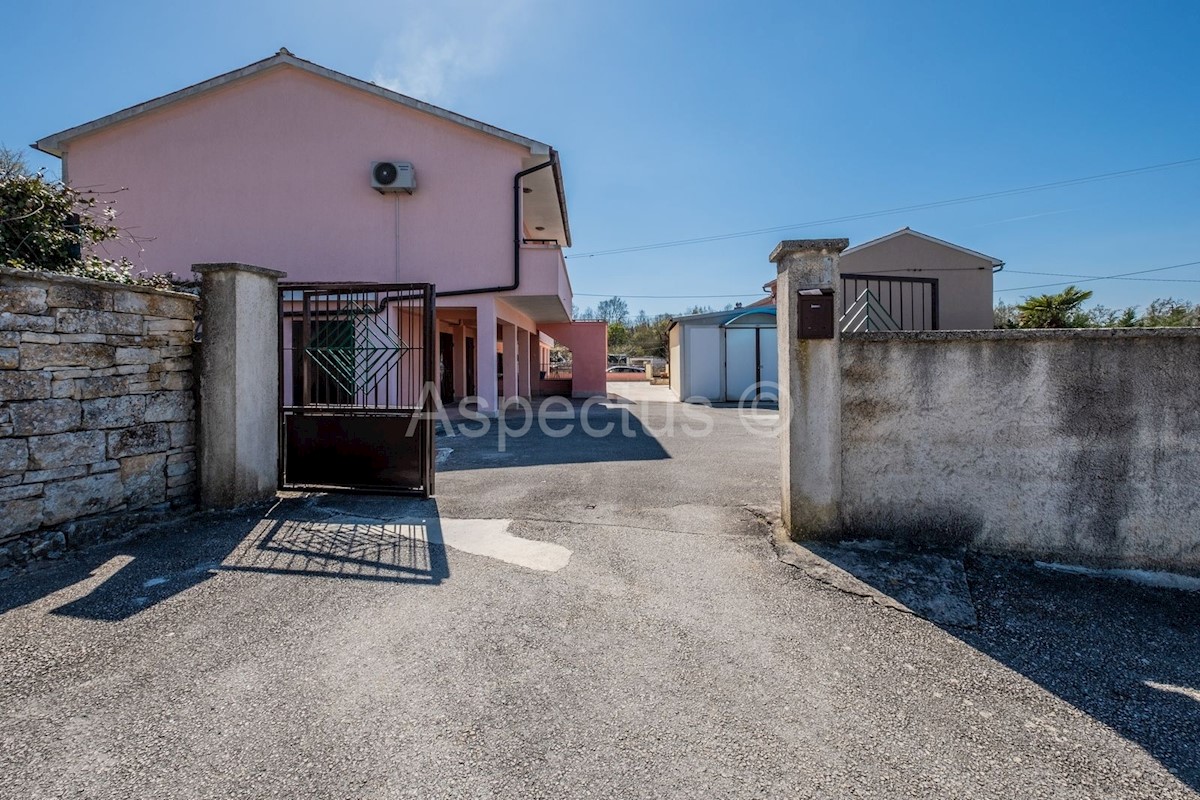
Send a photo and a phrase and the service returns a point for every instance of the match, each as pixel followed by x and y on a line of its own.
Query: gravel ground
pixel 294 654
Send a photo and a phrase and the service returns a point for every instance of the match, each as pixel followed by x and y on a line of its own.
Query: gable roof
pixel 54 144
pixel 910 232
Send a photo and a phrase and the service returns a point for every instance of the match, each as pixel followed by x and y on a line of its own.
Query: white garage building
pixel 725 356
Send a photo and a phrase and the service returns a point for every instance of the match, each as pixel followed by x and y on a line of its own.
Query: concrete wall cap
pixel 1022 334
pixel 790 246
pixel 233 266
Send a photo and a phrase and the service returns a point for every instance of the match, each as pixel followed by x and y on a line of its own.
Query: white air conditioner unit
pixel 393 176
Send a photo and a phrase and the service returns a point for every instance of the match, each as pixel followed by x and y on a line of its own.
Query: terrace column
pixel 460 361
pixel 239 384
pixel 485 358
pixel 536 359
pixel 810 385
pixel 525 367
pixel 509 389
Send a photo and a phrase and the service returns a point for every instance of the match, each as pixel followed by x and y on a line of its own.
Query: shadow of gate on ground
pixel 118 580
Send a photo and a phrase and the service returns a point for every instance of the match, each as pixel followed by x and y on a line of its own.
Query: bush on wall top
pixel 54 228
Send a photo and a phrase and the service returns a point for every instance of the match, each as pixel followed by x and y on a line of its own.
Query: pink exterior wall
pixel 274 171
pixel 588 342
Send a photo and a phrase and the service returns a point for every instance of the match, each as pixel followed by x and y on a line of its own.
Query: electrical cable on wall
pixel 396 201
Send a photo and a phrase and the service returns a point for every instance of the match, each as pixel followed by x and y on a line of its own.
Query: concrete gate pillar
pixel 810 389
pixel 239 384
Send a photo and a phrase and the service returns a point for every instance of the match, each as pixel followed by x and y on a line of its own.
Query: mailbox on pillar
pixel 816 314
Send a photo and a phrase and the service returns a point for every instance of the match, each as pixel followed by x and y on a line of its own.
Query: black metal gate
pixel 357 387
pixel 912 303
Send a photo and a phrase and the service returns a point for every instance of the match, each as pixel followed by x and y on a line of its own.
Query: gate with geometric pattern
pixel 358 387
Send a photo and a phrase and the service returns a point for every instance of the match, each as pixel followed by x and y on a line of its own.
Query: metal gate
pixel 911 302
pixel 357 387
pixel 751 362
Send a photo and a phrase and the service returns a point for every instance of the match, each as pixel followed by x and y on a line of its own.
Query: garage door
pixel 751 364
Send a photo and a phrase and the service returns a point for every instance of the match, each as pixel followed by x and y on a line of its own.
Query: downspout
pixel 516 280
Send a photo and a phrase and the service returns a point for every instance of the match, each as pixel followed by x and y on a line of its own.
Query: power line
pixel 1093 277
pixel 1120 276
pixel 898 210
pixel 1117 276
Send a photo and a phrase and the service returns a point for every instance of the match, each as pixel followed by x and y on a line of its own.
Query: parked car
pixel 635 370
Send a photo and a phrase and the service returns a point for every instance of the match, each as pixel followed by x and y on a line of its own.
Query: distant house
pixel 906 280
pixel 274 164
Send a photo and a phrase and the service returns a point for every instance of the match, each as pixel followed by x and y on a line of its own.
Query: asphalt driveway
pixel 573 617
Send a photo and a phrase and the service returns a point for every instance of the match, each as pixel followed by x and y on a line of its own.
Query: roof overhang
pixel 749 311
pixel 544 208
pixel 995 262
pixel 716 317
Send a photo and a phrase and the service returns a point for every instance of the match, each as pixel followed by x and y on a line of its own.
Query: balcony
pixel 545 291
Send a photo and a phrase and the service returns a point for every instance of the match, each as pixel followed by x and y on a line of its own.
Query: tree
pixel 1004 315
pixel 618 336
pixel 12 162
pixel 1167 312
pixel 1059 310
pixel 1037 312
pixel 1105 317
pixel 650 338
pixel 613 310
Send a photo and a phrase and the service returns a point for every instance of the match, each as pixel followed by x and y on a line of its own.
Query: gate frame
pixel 880 278
pixel 427 411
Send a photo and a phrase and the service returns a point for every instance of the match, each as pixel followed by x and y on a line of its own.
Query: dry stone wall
pixel 97 412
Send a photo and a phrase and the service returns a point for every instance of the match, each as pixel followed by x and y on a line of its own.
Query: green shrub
pixel 54 228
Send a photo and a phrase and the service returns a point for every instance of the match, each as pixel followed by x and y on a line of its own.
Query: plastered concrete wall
pixel 588 342
pixel 96 409
pixel 1081 446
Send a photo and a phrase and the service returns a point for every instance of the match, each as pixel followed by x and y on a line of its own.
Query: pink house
pixel 272 165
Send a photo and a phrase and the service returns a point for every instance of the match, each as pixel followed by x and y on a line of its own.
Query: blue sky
pixel 685 119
